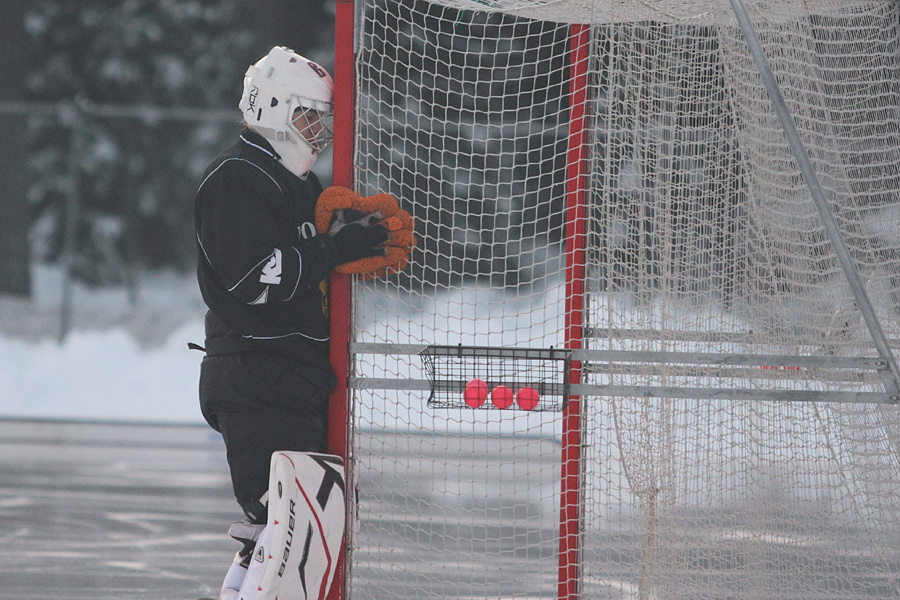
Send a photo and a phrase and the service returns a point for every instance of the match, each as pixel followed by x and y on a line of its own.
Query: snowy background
pixel 100 168
pixel 125 356
pixel 119 362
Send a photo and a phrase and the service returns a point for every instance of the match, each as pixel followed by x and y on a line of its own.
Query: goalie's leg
pixel 297 553
pixel 248 534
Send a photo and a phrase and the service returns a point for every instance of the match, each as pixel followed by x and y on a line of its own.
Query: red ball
pixel 527 398
pixel 502 396
pixel 476 393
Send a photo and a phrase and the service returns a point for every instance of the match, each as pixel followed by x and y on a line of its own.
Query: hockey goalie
pixel 268 239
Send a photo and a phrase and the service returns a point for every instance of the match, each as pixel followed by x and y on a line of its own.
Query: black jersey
pixel 262 266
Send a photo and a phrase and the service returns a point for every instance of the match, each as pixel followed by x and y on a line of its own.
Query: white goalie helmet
pixel 279 88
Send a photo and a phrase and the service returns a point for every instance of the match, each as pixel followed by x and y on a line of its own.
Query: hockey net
pixel 610 178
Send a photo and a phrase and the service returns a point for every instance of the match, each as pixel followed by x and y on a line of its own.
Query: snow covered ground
pixel 119 362
pixel 130 362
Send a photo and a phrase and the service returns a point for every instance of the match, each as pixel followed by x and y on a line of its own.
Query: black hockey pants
pixel 262 403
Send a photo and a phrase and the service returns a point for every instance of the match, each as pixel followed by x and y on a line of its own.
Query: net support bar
pixel 611 360
pixel 626 391
pixel 638 356
pixel 890 377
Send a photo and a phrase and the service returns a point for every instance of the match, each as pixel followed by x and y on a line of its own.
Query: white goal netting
pixel 734 437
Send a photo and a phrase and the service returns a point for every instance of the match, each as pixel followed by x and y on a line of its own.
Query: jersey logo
pixel 306 231
pixel 323 291
pixel 271 273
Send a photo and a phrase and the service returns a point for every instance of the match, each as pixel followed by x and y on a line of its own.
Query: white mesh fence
pixel 708 269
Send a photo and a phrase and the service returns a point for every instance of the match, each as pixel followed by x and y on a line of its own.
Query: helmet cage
pixel 316 121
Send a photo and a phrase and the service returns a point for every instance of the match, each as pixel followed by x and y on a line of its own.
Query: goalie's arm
pixel 287 272
pixel 281 275
pixel 238 234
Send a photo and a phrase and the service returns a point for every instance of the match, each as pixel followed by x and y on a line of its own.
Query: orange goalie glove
pixel 398 222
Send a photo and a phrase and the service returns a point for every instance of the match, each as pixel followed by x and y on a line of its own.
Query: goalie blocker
pixel 297 553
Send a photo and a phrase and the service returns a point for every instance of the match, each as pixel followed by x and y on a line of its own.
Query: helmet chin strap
pixel 296 158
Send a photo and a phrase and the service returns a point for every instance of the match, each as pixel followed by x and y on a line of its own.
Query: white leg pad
pixel 296 555
pixel 233 580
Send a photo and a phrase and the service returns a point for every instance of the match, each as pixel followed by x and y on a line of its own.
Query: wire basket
pixel 492 378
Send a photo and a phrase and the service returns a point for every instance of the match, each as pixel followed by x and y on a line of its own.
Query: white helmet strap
pixel 274 135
